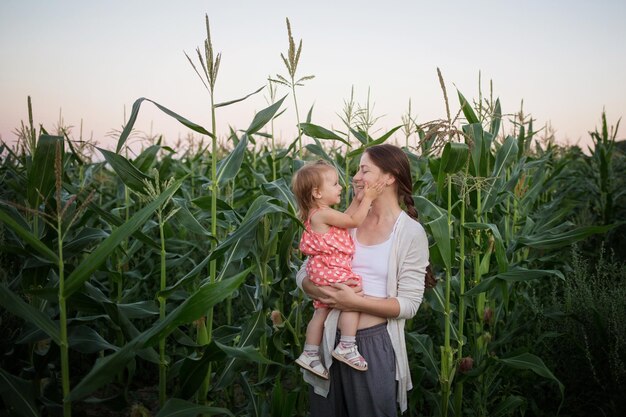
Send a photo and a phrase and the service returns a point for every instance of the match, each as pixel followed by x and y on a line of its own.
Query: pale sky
pixel 91 59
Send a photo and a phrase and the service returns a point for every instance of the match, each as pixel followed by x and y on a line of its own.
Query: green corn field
pixel 162 282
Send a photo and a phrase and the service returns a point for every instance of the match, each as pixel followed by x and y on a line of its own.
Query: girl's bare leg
pixel 310 357
pixel 347 350
pixel 349 322
pixel 315 328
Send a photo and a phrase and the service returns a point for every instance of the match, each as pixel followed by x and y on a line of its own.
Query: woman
pixel 392 258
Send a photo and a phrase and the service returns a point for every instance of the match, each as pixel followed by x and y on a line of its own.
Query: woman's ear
pixel 389 179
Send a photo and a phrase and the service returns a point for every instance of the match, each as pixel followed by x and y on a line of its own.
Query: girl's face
pixel 329 193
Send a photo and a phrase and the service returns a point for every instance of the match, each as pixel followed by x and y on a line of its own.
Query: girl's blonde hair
pixel 304 181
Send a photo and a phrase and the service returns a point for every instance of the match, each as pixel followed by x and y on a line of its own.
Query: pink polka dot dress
pixel 330 256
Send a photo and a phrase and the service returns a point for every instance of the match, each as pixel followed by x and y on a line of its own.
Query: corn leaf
pixel 229 166
pixel 504 156
pixel 506 407
pixel 27 235
pixel 248 353
pixel 512 275
pixel 227 103
pixel 194 370
pixel 378 141
pixel 468 111
pixel 317 149
pixel 86 340
pixel 194 307
pixel 320 132
pixel 113 219
pixel 17 394
pixel 552 239
pixel 133 118
pixel 193 274
pixel 84 239
pixel 147 158
pixel 454 157
pixel 128 173
pixel 250 334
pixel 175 407
pixel 360 136
pixel 254 405
pixel 499 243
pixel 89 265
pixel 41 175
pixel 441 232
pixel 533 363
pixel 281 191
pixel 11 302
pixel 187 219
pixel 283 401
pixel 260 207
pixel 263 117
pixel 496 119
pixel 424 344
pixel 478 150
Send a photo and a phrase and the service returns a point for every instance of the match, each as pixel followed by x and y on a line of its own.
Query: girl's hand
pixel 357 192
pixel 373 191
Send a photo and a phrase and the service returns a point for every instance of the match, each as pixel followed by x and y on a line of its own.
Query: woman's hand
pixel 341 296
pixel 313 291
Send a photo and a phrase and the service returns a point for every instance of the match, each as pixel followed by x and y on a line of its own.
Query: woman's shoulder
pixel 409 226
pixel 411 235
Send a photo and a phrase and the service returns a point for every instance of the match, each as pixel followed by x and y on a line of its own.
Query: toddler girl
pixel 330 248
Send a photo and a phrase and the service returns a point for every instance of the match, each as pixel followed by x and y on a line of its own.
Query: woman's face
pixel 368 173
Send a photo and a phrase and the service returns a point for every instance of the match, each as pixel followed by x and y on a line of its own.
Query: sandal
pixel 351 357
pixel 312 364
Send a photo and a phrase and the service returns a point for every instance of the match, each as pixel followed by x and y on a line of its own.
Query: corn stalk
pixel 291 63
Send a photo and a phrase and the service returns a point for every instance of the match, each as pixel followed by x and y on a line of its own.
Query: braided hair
pixel 392 160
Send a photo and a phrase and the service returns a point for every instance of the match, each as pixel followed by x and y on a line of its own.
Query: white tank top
pixel 371 262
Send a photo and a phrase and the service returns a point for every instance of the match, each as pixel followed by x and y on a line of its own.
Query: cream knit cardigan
pixel 408 260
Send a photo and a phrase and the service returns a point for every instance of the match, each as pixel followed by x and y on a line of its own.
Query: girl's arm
pixel 354 215
pixel 354 205
pixel 332 217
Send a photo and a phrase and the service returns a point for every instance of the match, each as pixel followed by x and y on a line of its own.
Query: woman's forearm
pixel 381 307
pixel 311 289
pixel 342 297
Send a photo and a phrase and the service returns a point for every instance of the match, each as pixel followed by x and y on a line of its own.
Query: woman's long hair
pixel 392 160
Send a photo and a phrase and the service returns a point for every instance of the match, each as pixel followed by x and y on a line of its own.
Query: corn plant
pixel 348 120
pixel 152 192
pixel 409 125
pixel 100 289
pixel 476 198
pixel 291 64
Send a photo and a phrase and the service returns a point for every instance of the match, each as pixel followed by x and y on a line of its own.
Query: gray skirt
pixel 362 394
